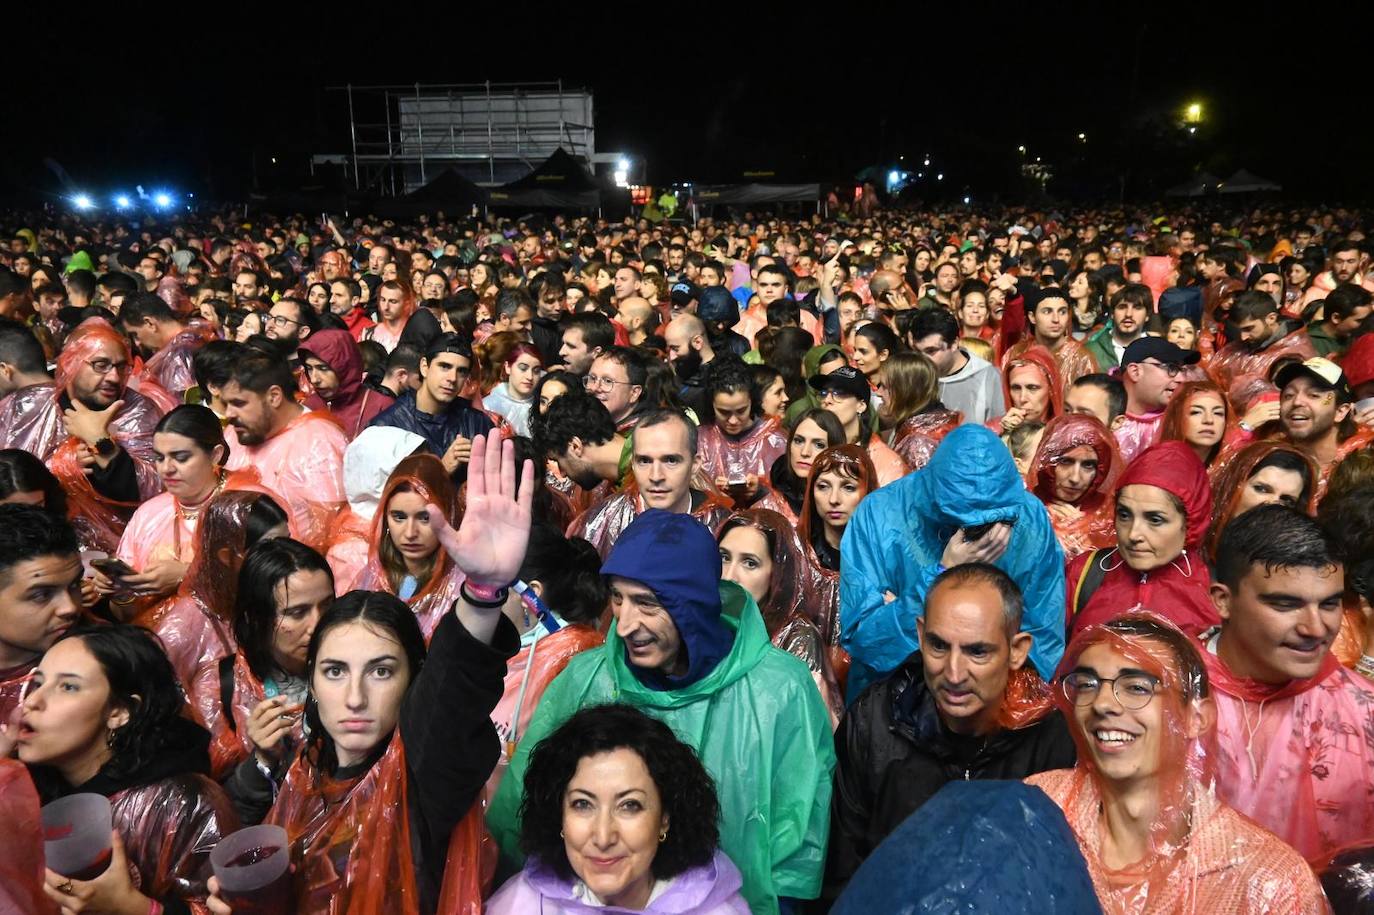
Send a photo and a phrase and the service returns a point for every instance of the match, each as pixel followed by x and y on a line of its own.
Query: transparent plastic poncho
pixel 1089 523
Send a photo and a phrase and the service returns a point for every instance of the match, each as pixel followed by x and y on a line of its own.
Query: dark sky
pixel 157 99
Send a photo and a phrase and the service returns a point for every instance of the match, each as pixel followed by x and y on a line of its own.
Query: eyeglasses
pixel 834 394
pixel 1170 368
pixel 594 383
pixel 104 366
pixel 281 320
pixel 1132 691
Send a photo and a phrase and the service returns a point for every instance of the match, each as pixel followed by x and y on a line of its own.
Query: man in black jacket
pixel 943 715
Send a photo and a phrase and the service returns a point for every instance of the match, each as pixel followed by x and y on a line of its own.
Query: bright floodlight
pixel 1193 113
pixel 123 202
pixel 82 202
pixel 1021 149
pixel 940 177
pixel 162 199
pixel 894 176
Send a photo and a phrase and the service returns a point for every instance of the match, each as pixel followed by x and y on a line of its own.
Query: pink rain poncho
pixel 21 843
pixel 752 453
pixel 602 523
pixel 31 419
pixel 1203 857
pixel 1297 757
pixel 916 437
pixel 303 463
pixel 163 529
pixel 167 373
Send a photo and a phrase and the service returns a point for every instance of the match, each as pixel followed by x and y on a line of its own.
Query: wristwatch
pixel 106 447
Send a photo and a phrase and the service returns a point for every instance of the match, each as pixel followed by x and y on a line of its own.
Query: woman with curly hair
pixel 104 715
pixel 619 815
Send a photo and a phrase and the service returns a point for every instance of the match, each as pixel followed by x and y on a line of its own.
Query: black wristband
pixel 498 601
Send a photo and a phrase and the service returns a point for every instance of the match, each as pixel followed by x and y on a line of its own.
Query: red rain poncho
pixel 1296 757
pixel 21 843
pixel 353 404
pixel 1041 358
pixel 31 419
pixel 1204 857
pixel 303 463
pixel 424 475
pixel 752 453
pixel 1090 523
pixel 1177 590
pixel 1235 363
pixel 1071 360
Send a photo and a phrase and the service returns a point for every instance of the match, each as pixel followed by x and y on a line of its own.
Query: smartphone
pixel 976 531
pixel 113 568
pixel 738 487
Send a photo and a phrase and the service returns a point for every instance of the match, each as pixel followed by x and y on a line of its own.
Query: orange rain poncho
pixel 1204 857
pixel 916 437
pixel 424 475
pixel 1071 361
pixel 1041 358
pixel 31 419
pixel 1173 427
pixel 1094 524
pixel 21 843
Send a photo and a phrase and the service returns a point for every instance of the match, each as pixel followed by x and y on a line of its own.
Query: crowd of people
pixel 558 564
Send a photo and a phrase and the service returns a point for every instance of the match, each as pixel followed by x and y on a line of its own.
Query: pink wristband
pixel 486 593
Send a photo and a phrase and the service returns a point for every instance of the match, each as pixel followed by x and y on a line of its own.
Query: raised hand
pixel 489 546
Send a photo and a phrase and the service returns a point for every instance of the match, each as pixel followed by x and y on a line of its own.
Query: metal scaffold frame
pixel 401 136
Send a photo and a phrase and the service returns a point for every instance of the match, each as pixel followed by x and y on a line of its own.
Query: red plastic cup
pixel 253 867
pixel 76 835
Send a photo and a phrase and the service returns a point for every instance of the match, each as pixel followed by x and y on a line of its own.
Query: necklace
pixel 188 514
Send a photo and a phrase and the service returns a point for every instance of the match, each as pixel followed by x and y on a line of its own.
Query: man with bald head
pixel 634 315
pixel 890 292
pixel 689 350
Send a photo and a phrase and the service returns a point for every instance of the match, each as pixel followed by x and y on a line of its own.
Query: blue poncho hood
pixel 676 557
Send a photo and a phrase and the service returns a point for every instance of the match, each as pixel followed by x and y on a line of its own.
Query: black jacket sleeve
pixel 450 743
pixel 118 480
pixel 850 803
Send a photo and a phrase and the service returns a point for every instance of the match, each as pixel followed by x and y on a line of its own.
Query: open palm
pixel 489 545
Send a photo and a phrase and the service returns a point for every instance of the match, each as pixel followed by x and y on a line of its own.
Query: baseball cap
pixel 1160 349
pixel 845 379
pixel 684 292
pixel 1323 371
pixel 715 303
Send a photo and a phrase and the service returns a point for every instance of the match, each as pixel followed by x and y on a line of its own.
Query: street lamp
pixel 1082 138
pixel 1193 113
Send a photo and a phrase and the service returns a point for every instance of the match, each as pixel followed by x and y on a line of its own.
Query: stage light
pixel 122 201
pixel 82 202
pixel 1193 113
pixel 894 176
pixel 1021 150
pixel 940 177
pixel 162 200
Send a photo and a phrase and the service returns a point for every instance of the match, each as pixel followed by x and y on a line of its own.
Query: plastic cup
pixel 253 867
pixel 76 835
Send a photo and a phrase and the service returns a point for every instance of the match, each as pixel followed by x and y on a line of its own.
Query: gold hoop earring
pixel 663 837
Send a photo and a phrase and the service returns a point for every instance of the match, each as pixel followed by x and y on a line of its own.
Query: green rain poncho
pixel 761 730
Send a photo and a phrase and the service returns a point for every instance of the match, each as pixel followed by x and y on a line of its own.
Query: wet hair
pixel 569 568
pixel 1284 459
pixel 983 573
pixel 658 416
pixel 685 788
pixel 199 424
pixel 28 532
pixel 264 515
pixel 881 336
pixel 376 610
pixel 144 305
pixel 575 414
pixel 213 363
pixel 20 472
pixel 1188 664
pixel 259 373
pixel 1276 537
pixel 569 381
pixel 727 374
pixel 141 680
pixel 268 563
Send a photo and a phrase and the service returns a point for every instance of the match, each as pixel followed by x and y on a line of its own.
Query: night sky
pixel 160 98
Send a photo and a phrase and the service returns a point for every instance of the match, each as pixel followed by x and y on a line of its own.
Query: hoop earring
pixel 663 837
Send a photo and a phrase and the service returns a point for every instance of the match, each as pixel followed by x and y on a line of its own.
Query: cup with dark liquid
pixel 76 836
pixel 253 867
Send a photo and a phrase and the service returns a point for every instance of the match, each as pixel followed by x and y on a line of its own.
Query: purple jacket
pixel 712 889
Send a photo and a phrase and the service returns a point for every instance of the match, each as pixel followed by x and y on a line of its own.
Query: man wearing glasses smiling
pixel 1151 370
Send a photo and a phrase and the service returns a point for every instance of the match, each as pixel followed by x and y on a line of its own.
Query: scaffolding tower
pixel 492 133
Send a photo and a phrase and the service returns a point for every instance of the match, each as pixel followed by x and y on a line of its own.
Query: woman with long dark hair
pixel 809 433
pixel 104 714
pixel 400 739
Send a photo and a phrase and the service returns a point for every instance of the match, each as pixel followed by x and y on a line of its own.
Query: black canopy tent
pixel 448 191
pixel 561 181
